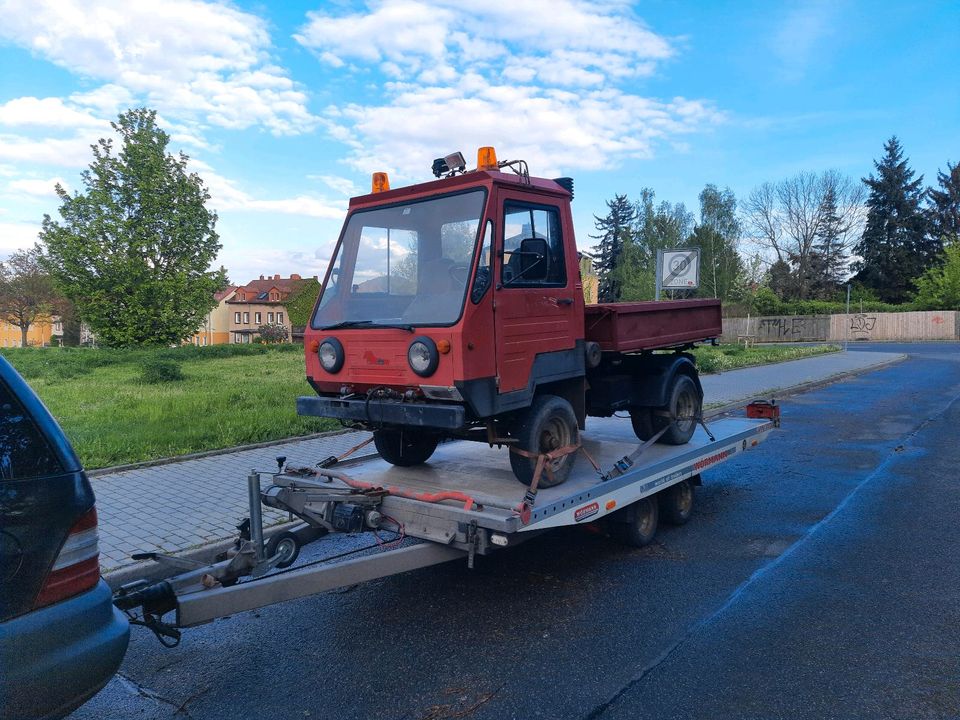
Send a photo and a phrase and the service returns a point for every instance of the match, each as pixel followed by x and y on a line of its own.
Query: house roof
pixel 258 291
pixel 225 293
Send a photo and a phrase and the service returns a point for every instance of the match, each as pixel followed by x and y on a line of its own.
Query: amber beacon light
pixel 381 183
pixel 487 159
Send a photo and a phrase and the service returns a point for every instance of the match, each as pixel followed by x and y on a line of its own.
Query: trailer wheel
pixel 676 502
pixel 285 544
pixel 548 424
pixel 404 448
pixel 684 405
pixel 640 526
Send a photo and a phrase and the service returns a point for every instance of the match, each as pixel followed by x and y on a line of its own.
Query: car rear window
pixel 24 451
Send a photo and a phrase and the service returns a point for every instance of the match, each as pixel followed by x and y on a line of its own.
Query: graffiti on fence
pixel 783 328
pixel 862 326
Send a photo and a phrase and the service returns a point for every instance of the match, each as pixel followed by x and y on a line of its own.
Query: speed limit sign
pixel 680 269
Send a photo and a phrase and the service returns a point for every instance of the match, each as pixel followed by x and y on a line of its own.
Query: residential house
pixel 87 337
pixel 261 302
pixel 39 333
pixel 215 329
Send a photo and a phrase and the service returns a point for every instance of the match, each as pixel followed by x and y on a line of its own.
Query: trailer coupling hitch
pixel 154 602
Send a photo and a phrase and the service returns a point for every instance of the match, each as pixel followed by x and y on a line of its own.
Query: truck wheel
pixel 641 526
pixel 548 424
pixel 676 502
pixel 685 405
pixel 642 420
pixel 404 448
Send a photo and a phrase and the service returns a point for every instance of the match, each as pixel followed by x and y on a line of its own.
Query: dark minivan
pixel 61 639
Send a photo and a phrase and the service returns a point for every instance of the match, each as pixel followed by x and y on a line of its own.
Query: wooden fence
pixel 908 326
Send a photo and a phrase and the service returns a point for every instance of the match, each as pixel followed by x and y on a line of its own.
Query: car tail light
pixel 77 567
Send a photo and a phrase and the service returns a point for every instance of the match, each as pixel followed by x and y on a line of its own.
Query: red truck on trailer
pixel 455 309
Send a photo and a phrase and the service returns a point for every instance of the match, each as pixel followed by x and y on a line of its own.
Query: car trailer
pixel 465 502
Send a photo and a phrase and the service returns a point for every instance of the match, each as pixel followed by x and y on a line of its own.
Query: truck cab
pixel 452 308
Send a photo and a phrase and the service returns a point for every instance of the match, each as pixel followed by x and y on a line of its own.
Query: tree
pixel 718 237
pixel 787 219
pixel 133 251
pixel 939 287
pixel 27 294
pixel 613 231
pixel 895 247
pixel 272 333
pixel 828 262
pixel 654 227
pixel 944 205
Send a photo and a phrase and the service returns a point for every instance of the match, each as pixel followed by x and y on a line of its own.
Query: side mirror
pixel 534 259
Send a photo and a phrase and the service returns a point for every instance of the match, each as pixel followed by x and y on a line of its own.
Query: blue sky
pixel 286 108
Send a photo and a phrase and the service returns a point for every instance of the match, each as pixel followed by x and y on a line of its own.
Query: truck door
pixel 537 316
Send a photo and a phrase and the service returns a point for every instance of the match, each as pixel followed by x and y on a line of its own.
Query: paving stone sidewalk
pixel 198 501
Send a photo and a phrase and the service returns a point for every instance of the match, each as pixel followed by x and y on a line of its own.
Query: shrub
pixel 157 370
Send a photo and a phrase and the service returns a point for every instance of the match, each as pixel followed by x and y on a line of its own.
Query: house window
pixel 257 318
pixel 280 318
pixel 236 318
pixel 246 318
pixel 269 317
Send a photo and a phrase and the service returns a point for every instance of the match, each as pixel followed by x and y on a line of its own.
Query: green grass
pixel 730 357
pixel 229 395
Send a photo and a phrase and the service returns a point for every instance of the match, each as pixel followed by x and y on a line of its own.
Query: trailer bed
pixel 485 475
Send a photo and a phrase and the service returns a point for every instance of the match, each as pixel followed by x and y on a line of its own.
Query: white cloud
pixel 226 195
pixel 47 112
pixel 17 235
pixel 37 188
pixel 188 58
pixel 802 36
pixel 551 81
pixel 342 185
pixel 71 152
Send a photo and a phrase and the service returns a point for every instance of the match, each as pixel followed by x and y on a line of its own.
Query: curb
pixel 803 387
pixel 211 453
pixel 153 572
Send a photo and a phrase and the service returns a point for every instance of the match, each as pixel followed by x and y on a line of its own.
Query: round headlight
pixel 331 355
pixel 423 356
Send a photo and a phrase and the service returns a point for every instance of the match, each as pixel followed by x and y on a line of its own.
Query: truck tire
pixel 640 526
pixel 676 502
pixel 405 448
pixel 642 420
pixel 684 405
pixel 548 424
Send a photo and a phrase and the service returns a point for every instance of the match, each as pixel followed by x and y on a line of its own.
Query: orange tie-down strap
pixel 525 508
pixel 431 497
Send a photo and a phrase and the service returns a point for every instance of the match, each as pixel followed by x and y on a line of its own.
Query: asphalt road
pixel 819 577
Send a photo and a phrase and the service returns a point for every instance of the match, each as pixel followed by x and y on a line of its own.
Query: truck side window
pixel 527 222
pixel 481 280
pixel 24 451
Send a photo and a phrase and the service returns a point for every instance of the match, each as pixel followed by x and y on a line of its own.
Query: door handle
pixel 564 301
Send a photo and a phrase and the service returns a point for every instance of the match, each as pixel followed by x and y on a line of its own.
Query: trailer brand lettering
pixel 587 511
pixel 719 457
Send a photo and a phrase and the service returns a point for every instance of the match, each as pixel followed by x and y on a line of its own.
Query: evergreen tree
pixel 895 247
pixel 656 227
pixel 613 231
pixel 944 207
pixel 828 262
pixel 133 250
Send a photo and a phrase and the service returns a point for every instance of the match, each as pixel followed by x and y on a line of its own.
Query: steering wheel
pixel 459 274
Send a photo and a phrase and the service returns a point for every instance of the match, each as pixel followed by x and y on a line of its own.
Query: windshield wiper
pixel 367 324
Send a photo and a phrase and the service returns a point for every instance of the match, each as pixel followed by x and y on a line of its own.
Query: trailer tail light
pixel 77 567
pixel 381 183
pixel 487 159
pixel 766 410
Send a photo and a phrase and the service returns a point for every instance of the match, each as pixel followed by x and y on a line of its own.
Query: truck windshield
pixel 404 264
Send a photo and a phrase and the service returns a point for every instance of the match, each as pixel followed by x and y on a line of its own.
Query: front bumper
pixel 386 412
